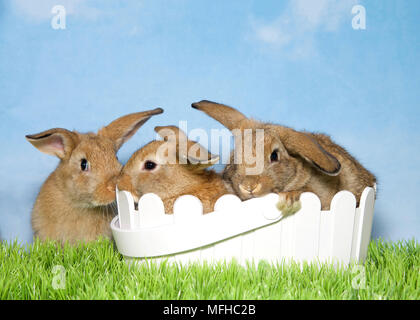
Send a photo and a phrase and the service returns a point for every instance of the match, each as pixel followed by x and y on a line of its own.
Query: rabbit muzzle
pixel 124 184
pixel 105 192
pixel 250 189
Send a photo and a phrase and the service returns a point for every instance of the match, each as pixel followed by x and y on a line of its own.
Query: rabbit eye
pixel 149 165
pixel 274 156
pixel 84 165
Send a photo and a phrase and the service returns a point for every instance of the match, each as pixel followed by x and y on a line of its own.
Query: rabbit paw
pixel 289 202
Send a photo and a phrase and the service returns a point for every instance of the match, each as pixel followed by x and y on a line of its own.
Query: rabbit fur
pixel 76 202
pixel 294 162
pixel 172 179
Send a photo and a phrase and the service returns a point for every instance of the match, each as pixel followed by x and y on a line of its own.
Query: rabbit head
pixel 168 168
pixel 267 157
pixel 88 166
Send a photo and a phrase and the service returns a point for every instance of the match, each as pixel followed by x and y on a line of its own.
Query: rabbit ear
pixel 124 128
pixel 57 142
pixel 188 150
pixel 307 147
pixel 226 115
pixel 171 132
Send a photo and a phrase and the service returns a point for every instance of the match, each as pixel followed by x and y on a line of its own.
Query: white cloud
pixel 271 34
pixel 301 20
pixel 39 10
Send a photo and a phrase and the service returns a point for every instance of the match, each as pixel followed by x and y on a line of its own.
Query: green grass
pixel 97 271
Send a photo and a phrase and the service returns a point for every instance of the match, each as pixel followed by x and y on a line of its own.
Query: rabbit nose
pixel 250 188
pixel 124 183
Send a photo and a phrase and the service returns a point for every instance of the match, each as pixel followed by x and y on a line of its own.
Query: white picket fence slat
pixel 343 208
pixel 307 228
pixel 247 231
pixel 367 204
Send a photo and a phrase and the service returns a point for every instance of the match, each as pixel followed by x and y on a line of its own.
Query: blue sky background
pixel 298 63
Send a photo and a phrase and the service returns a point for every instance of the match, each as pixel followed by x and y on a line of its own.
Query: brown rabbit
pixel 75 202
pixel 170 169
pixel 294 162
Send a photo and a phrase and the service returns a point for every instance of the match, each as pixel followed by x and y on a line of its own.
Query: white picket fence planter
pixel 251 230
